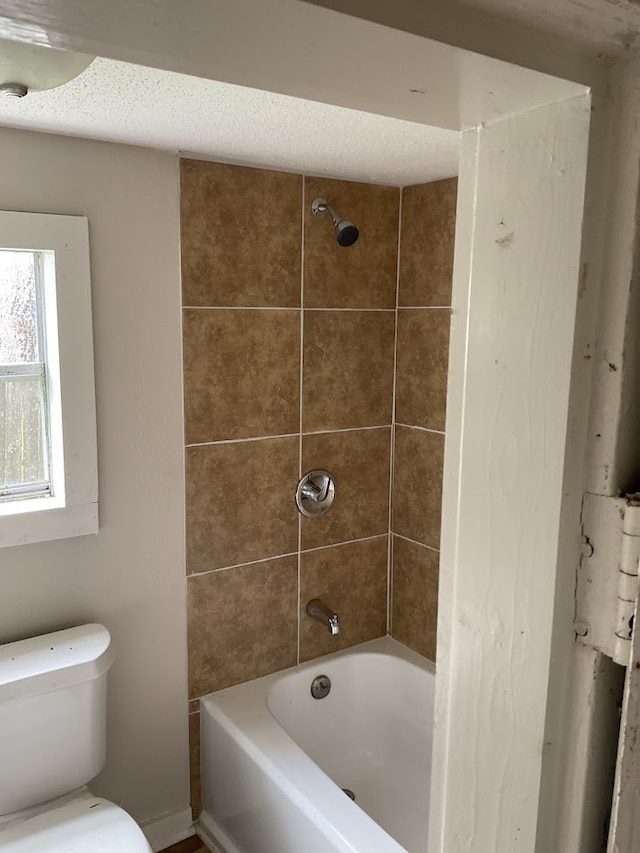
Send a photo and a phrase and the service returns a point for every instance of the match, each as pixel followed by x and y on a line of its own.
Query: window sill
pixel 48 523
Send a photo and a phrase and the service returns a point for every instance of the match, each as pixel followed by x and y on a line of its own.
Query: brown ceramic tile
pixel 241 373
pixel 194 764
pixel 239 502
pixel 189 845
pixel 417 485
pixel 348 369
pixel 194 705
pixel 426 244
pixel 415 596
pixel 359 462
pixel 241 235
pixel 421 367
pixel 352 579
pixel 362 275
pixel 242 623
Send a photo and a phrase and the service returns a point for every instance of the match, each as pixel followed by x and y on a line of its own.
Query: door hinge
pixel 607 584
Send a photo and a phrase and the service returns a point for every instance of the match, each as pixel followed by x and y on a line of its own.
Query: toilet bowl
pixel 52 743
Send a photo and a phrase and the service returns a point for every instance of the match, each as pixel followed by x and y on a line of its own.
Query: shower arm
pixel 321 207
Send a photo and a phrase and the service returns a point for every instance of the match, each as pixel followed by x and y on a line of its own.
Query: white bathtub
pixel 274 759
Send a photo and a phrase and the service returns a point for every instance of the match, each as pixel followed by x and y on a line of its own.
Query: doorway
pixel 516 275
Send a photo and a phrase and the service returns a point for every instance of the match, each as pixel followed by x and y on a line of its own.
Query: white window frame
pixel 72 507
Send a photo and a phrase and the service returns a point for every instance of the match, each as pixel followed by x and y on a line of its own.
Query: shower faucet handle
pixel 315 493
pixel 317 488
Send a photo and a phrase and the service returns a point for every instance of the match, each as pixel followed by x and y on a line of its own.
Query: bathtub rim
pixel 243 707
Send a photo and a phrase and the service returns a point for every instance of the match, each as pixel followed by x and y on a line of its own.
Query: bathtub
pixel 275 760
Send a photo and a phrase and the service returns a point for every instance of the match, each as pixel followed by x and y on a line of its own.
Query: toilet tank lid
pixel 50 661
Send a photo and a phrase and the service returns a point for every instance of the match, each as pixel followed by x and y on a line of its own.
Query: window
pixel 48 472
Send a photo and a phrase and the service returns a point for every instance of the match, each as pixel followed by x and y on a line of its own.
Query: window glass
pixel 24 418
pixel 18 317
pixel 22 442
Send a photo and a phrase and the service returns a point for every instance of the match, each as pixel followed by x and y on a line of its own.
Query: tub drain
pixel 350 794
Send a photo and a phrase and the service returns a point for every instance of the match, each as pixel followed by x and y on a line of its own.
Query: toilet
pixel 53 691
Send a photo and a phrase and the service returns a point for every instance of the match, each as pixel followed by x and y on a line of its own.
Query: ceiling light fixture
pixel 28 68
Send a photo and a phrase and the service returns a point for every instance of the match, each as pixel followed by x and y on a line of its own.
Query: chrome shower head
pixel 346 232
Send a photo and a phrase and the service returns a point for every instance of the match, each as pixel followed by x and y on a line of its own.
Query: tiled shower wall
pixel 289 352
pixel 288 366
pixel 424 309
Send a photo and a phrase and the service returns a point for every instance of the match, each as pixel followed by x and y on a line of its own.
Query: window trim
pixel 73 508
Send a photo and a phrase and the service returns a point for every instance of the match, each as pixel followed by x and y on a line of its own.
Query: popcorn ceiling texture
pixel 120 102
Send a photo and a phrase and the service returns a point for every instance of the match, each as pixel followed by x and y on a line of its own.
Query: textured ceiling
pixel 119 102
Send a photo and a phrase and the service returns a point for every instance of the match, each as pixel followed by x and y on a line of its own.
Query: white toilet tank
pixel 52 714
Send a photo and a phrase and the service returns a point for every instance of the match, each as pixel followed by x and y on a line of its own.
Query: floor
pixel 190 845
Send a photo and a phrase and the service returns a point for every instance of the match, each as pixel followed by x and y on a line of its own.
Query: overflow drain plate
pixel 320 686
pixel 350 794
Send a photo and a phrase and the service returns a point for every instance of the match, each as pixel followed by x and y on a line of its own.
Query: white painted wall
pixel 468 26
pixel 131 576
pixel 568 27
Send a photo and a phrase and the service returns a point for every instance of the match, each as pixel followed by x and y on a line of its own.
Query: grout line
pixel 415 542
pixel 346 429
pixel 282 308
pixel 242 440
pixel 390 589
pixel 345 542
pixel 286 435
pixel 392 440
pixel 356 310
pixel 424 307
pixel 302 247
pixel 289 554
pixel 239 308
pixel 422 429
pixel 242 565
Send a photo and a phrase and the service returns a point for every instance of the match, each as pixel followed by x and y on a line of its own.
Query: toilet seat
pixel 85 823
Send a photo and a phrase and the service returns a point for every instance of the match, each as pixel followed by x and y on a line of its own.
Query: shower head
pixel 346 232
